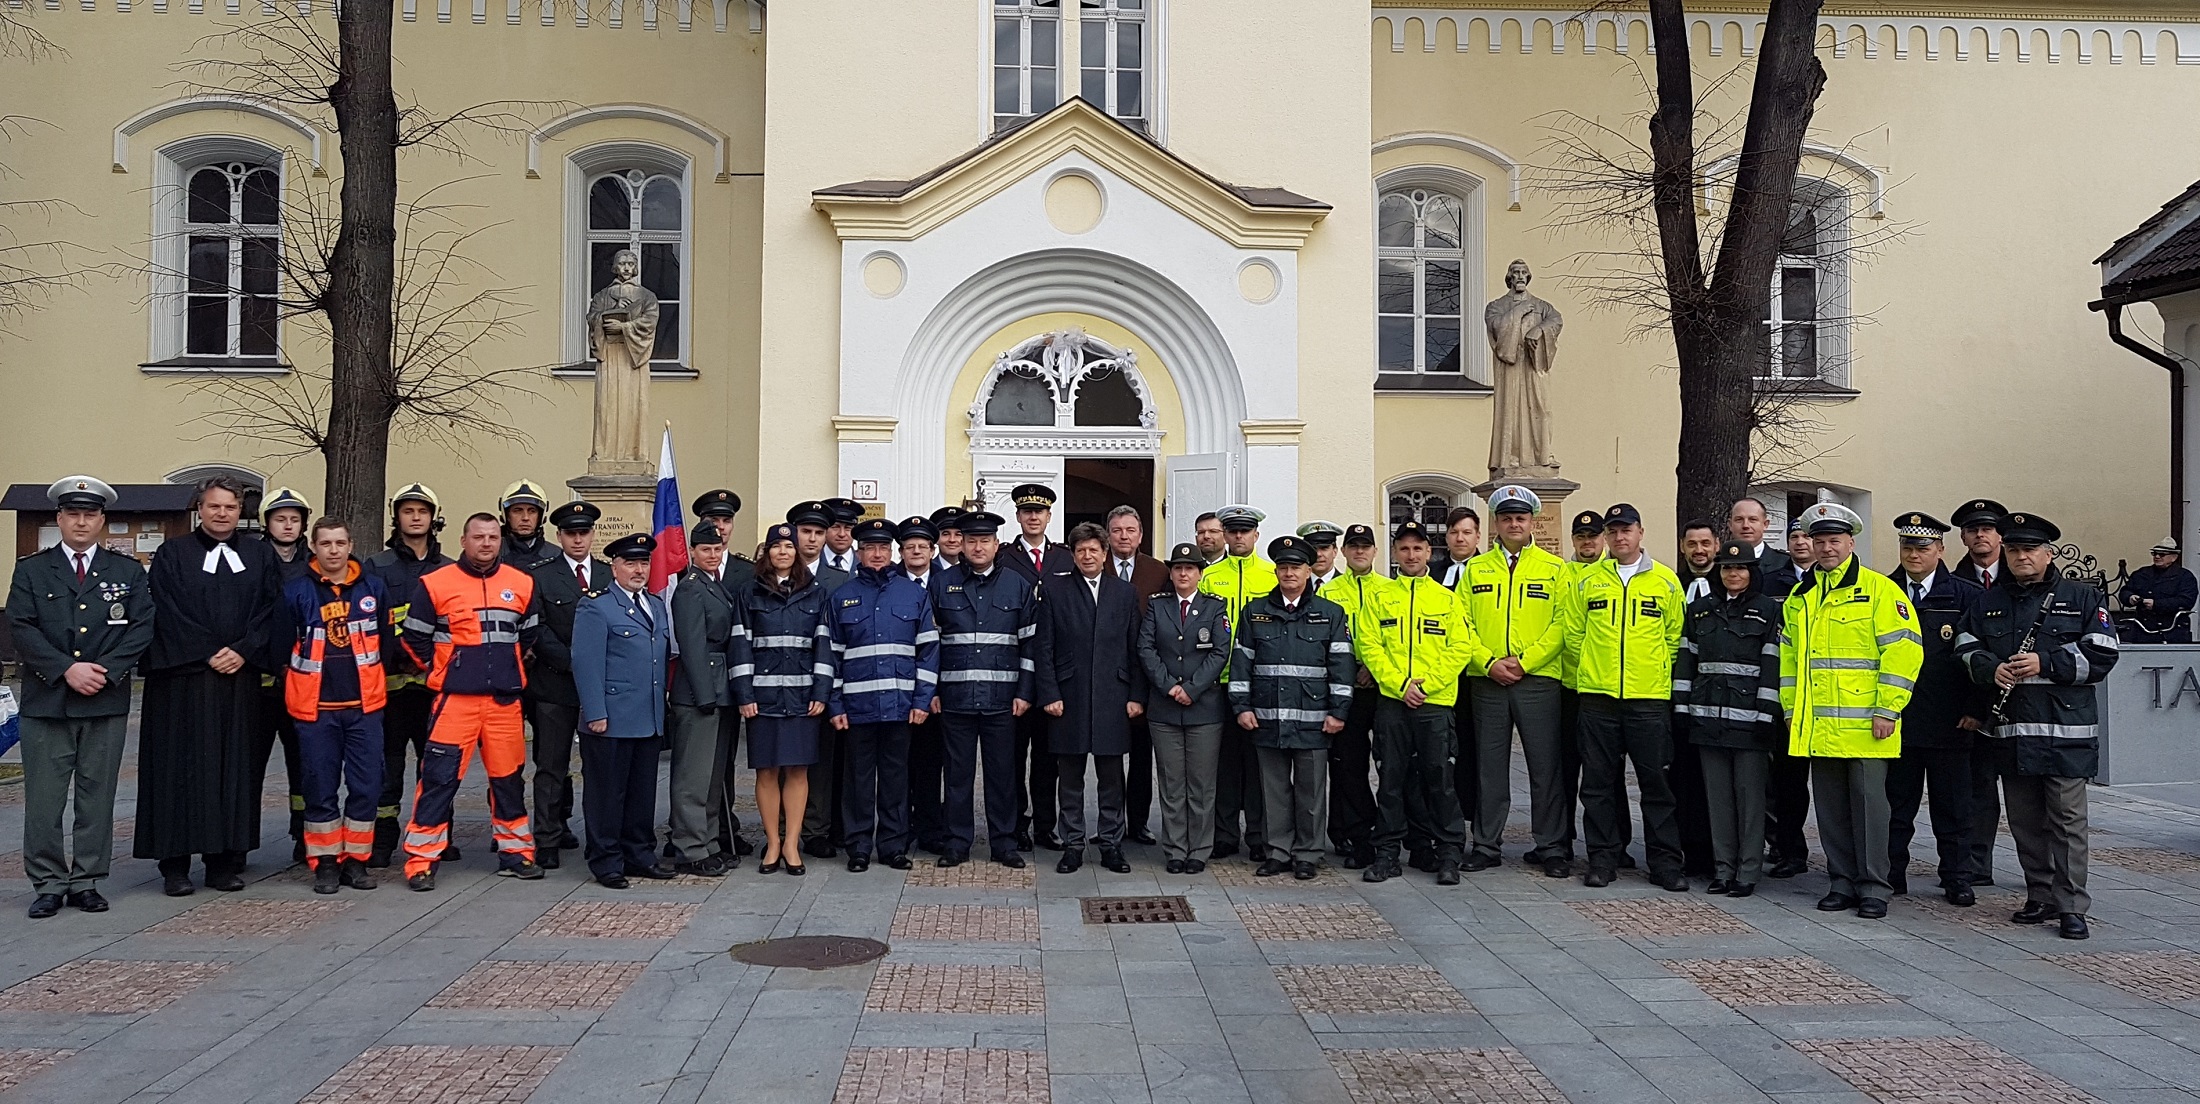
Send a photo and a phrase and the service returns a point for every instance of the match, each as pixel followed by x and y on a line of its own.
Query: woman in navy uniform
pixel 782 677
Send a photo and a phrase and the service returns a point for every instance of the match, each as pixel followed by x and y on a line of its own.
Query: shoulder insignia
pixel 1484 588
pixel 846 602
pixel 1902 610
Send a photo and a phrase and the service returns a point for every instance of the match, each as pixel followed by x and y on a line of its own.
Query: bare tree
pixel 403 314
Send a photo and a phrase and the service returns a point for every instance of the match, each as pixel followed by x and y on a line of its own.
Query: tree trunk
pixel 363 273
pixel 1719 329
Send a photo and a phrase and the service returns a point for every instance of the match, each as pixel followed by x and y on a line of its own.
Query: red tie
pixel 1185 614
pixel 1039 557
pixel 580 573
pixel 79 557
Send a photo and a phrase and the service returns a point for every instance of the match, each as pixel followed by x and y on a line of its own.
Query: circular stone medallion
pixel 810 952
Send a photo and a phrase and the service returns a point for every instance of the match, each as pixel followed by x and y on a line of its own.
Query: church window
pixel 1115 45
pixel 1027 43
pixel 642 209
pixel 1420 255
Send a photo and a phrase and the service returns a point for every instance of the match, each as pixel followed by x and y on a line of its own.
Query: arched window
pixel 1108 399
pixel 1807 327
pixel 1020 401
pixel 1064 379
pixel 218 247
pixel 1424 505
pixel 1420 257
pixel 644 210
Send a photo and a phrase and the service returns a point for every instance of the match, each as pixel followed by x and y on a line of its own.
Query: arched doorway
pixel 1072 411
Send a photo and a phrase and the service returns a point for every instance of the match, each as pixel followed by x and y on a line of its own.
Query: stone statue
pixel 1524 343
pixel 622 332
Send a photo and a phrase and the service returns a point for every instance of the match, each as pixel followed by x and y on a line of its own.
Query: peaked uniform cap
pixel 1032 496
pixel 875 531
pixel 1515 499
pixel 979 523
pixel 846 511
pixel 1831 517
pixel 1980 511
pixel 705 532
pixel 1735 554
pixel 1289 549
pixel 918 526
pixel 1186 555
pixel 814 512
pixel 2029 529
pixel 1320 534
pixel 576 517
pixel 1240 517
pixel 633 546
pixel 79 492
pixel 718 503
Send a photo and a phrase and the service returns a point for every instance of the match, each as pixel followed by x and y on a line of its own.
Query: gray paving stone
pixel 1098 1088
pixel 1192 1072
pixel 1092 1048
pixel 1272 1043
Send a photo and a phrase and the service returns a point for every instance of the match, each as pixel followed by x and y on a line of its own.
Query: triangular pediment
pixel 901 210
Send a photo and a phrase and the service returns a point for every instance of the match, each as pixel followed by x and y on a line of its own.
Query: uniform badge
pixel 1259 617
pixel 1902 610
pixel 1947 632
pixel 1206 635
pixel 507 595
pixel 1533 590
pixel 113 592
pixel 366 603
pixel 1431 626
pixel 1484 588
pixel 118 611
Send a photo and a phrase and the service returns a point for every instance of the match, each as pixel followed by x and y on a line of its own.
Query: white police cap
pixel 80 491
pixel 1831 517
pixel 1515 499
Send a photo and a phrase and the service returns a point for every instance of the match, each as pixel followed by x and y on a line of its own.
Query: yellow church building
pixel 1165 252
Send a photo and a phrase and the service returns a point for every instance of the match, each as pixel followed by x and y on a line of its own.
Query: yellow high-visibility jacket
pixel 1515 608
pixel 1623 636
pixel 1417 629
pixel 1356 595
pixel 1238 580
pixel 1851 653
pixel 1574 568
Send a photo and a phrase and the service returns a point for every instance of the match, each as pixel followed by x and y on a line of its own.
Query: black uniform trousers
pixel 1415 794
pixel 1351 793
pixel 1990 760
pixel 874 792
pixel 1787 806
pixel 1569 765
pixel 1237 793
pixel 1691 810
pixel 968 739
pixel 1035 775
pixel 619 805
pixel 1946 774
pixel 555 727
pixel 278 726
pixel 405 721
pixel 1466 767
pixel 927 782
pixel 1138 778
pixel 1615 732
pixel 822 819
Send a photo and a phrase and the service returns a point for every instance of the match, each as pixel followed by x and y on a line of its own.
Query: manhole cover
pixel 810 952
pixel 1136 910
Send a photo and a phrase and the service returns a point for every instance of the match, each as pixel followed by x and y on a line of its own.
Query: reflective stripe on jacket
pixel 782 649
pixel 1623 635
pixel 1416 629
pixel 1726 679
pixel 353 606
pixel 886 645
pixel 1851 653
pixel 2052 719
pixel 1293 670
pixel 1514 608
pixel 469 628
pixel 989 648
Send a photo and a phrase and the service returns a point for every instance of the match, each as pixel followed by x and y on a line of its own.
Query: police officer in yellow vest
pixel 1848 666
pixel 1512 593
pixel 1417 642
pixel 1239 578
pixel 1623 624
pixel 1586 534
pixel 1352 816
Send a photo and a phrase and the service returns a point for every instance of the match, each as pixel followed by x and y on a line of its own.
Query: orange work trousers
pixel 460 724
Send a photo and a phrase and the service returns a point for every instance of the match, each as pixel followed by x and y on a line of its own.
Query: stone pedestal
pixel 629 503
pixel 1550 525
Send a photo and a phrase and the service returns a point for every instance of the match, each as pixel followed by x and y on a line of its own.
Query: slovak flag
pixel 671 556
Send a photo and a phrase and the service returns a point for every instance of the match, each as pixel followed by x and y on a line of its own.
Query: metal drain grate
pixel 1136 910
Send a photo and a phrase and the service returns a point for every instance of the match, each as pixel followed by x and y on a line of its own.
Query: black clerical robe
pixel 198 790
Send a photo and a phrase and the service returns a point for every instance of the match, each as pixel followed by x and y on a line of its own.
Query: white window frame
pixel 1024 12
pixel 583 167
pixel 1468 190
pixel 1454 491
pixel 173 167
pixel 1111 16
pixel 1830 318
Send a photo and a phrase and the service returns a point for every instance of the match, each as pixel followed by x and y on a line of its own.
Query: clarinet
pixel 2001 704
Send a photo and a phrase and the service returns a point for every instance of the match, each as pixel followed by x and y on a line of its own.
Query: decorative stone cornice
pixel 1272 431
pixel 865 427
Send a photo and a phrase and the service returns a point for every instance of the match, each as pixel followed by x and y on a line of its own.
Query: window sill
pixel 216 366
pixel 587 370
pixel 1440 384
pixel 1805 389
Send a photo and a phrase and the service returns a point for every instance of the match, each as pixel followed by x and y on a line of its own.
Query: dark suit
pixel 1149 576
pixel 1787 795
pixel 1936 752
pixel 1035 777
pixel 553 705
pixel 620 662
pixel 72 743
pixel 705 725
pixel 1989 759
pixel 1087 662
pixel 1184 648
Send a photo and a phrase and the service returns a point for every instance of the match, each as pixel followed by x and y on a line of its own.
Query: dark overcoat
pixel 1088 662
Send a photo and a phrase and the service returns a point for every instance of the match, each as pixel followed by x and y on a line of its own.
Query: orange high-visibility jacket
pixel 351 611
pixel 470 628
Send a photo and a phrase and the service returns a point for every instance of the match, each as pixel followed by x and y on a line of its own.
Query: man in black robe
pixel 215 599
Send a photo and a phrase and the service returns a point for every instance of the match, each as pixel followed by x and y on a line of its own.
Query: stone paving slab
pixel 1457 1076
pixel 1308 921
pixel 20 1064
pixel 979 990
pixel 236 918
pixel 108 985
pixel 1660 918
pixel 1741 982
pixel 611 920
pixel 424 1074
pixel 1939 1071
pixel 519 983
pixel 1370 989
pixel 965 923
pixel 942 1075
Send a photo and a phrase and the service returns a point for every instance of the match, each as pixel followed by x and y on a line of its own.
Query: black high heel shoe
pixel 796 869
pixel 771 867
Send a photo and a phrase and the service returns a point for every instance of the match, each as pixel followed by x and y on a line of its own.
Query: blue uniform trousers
pixel 970 738
pixel 874 797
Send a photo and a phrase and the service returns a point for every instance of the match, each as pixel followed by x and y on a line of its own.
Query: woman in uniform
pixel 782 675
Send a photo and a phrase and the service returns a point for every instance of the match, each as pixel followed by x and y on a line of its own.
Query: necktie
pixel 1039 557
pixel 1123 568
pixel 1184 612
pixel 580 574
pixel 79 558
pixel 641 606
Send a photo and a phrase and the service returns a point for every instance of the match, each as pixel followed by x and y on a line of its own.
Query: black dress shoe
pixel 1960 896
pixel 612 881
pixel 704 869
pixel 1014 860
pixel 1672 881
pixel 2073 926
pixel 741 846
pixel 1195 866
pixel 1741 889
pixel 1304 871
pixel 547 858
pixel 1143 838
pixel 899 860
pixel 656 872
pixel 1481 861
pixel 1597 878
pixel 1023 839
pixel 1355 860
pixel 87 900
pixel 1788 868
pixel 1051 841
pixel 795 869
pixel 1836 902
pixel 46 905
pixel 771 867
pixel 1986 878
pixel 1071 861
pixel 1378 871
pixel 857 864
pixel 2033 912
pixel 1716 887
pixel 1174 866
pixel 819 848
pixel 1112 858
pixel 1871 908
pixel 953 858
pixel 226 882
pixel 1447 873
pixel 1257 854
pixel 1558 868
pixel 1271 868
pixel 1222 850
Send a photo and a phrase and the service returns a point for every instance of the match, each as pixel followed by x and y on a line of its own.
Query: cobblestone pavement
pixel 1509 987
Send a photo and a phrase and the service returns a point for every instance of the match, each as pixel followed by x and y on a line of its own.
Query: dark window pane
pixel 1008 42
pixel 1798 294
pixel 599 264
pixel 1130 95
pixel 1043 96
pixel 661 204
pixel 668 333
pixel 1132 5
pixel 262 197
pixel 1020 401
pixel 256 327
pixel 1129 45
pixel 1396 353
pixel 1801 239
pixel 608 206
pixel 1046 42
pixel 1095 88
pixel 1003 122
pixel 206 325
pixel 1107 401
pixel 661 270
pixel 1799 350
pixel 259 266
pixel 209 202
pixel 1394 287
pixel 1007 95
pixel 209 265
pixel 1395 221
pixel 1440 219
pixel 1443 345
pixel 1093 35
pixel 1443 288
